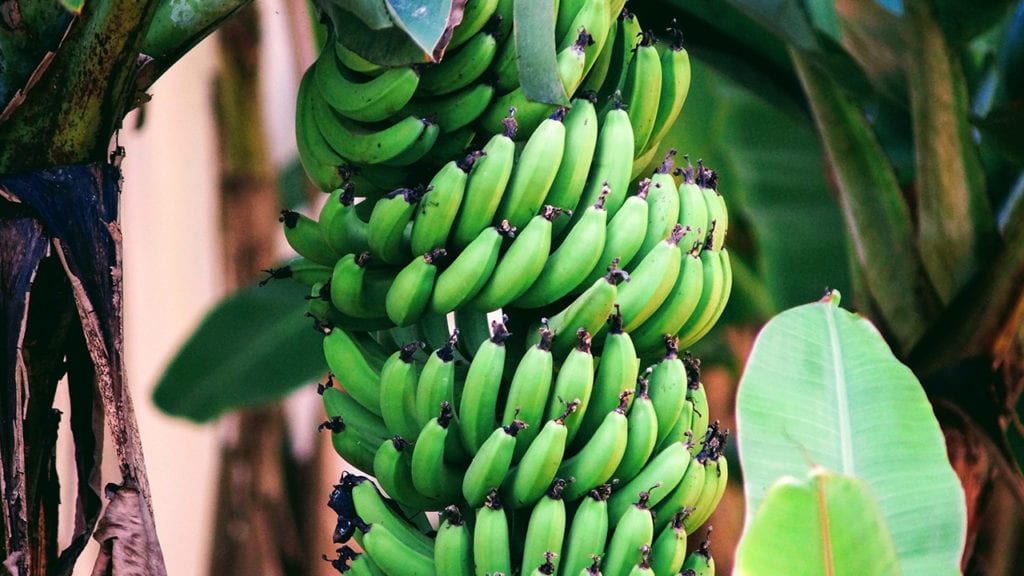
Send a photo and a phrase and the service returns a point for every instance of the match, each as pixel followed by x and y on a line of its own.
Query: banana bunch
pixel 516 449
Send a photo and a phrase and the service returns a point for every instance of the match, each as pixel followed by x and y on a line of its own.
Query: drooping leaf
pixel 254 347
pixel 423 20
pixel 387 47
pixel 373 13
pixel 822 387
pixel 534 35
pixel 825 523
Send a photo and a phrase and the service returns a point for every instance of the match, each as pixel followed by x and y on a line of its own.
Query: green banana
pixel 589 311
pixel 534 172
pixel 700 562
pixel 534 473
pixel 460 68
pixel 338 402
pixel 597 460
pixel 660 476
pixel 436 383
pixel 391 214
pixel 569 264
pixel 600 65
pixel 545 529
pixel 698 396
pixel 374 509
pixel 455 110
pixel 675 85
pixel 616 373
pixel 492 552
pixel 490 463
pixel 475 15
pixel 580 141
pixel 479 401
pixel 347 360
pixel 307 238
pixel 643 568
pixel 611 167
pixel 355 446
pixel 530 114
pixel 320 162
pixel 716 477
pixel 642 90
pixel 302 270
pixel 410 293
pixel 713 298
pixel 355 62
pixel 365 144
pixel 693 209
pixel 681 431
pixel 626 231
pixel 436 214
pixel 453 545
pixel 342 227
pixel 667 386
pixel 468 274
pixel 677 308
pixel 520 265
pixel 565 15
pixel 362 98
pixel 594 18
pixel 634 530
pixel 588 532
pixel 363 565
pixel 350 291
pixel 432 475
pixel 651 281
pixel 573 383
pixel 529 390
pixel 662 205
pixel 485 186
pixel 395 556
pixel 669 549
pixel 682 498
pixel 417 150
pixel 392 467
pixel 398 381
pixel 627 33
pixel 642 436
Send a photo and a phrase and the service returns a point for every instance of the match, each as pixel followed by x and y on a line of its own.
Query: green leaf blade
pixel 825 524
pixel 423 20
pixel 537 63
pixel 822 388
pixel 254 347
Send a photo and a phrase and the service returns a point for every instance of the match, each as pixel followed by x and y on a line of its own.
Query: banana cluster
pixel 510 442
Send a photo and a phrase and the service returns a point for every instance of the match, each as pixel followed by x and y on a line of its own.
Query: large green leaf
pixel 824 524
pixel 423 20
pixel 821 387
pixel 254 347
pixel 534 35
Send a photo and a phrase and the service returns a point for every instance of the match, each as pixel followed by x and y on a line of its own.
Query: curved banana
pixel 529 390
pixel 588 532
pixel 616 373
pixel 700 562
pixel 682 498
pixel 669 549
pixel 431 474
pixel 485 186
pixel 479 401
pixel 354 446
pixel 642 436
pixel 589 311
pixel 492 552
pixel 339 402
pixel 366 99
pixel 528 481
pixel 361 143
pixel 475 16
pixel 436 383
pixel 454 110
pixel 642 90
pixel 611 167
pixel 626 231
pixel 718 284
pixel 302 270
pixel 348 362
pixel 594 18
pixel 319 160
pixel 677 307
pixel 580 141
pixel 545 529
pixel 342 227
pixel 373 508
pixel 651 281
pixel 675 85
pixel 658 477
pixel 409 295
pixel 573 383
pixel 392 467
pixel 453 545
pixel 307 238
pixel 436 214
pixel 534 172
pixel 597 460
pixel 348 288
pixel 468 274
pixel 395 556
pixel 391 214
pixel 398 379
pixel 662 205
pixel 460 68
pixel 667 386
pixel 693 209
pixel 490 463
pixel 633 531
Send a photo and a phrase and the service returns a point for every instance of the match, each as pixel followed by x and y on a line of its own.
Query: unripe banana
pixel 588 532
pixel 339 402
pixel 362 98
pixel 470 271
pixel 340 223
pixel 616 373
pixel 528 481
pixel 651 281
pixel 453 545
pixel 434 219
pixel 580 141
pixel 643 568
pixel 456 110
pixel 394 556
pixel 374 509
pixel 520 266
pixel 302 270
pixel 667 388
pixel 534 171
pixel 593 17
pixel 485 186
pixel 683 498
pixel 623 45
pixel 492 552
pixel 388 220
pixel 573 383
pixel 693 209
pixel 431 474
pixel 626 232
pixel 392 467
pixel 475 16
pixel 611 167
pixel 546 529
pixel 350 288
pixel 348 362
pixel 361 143
pixel 436 383
pixel 306 237
pixel 320 162
pixel 398 379
pixel 675 85
pixel 597 460
pixel 354 446
pixel 660 475
pixel 589 311
pixel 719 287
pixel 570 263
pixel 700 562
pixel 669 549
pixel 642 91
pixel 460 68
pixel 677 308
pixel 480 392
pixel 634 530
pixel 642 436
pixel 662 205
pixel 490 463
pixel 529 391
pixel 409 295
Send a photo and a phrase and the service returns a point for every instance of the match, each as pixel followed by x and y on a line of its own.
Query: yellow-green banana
pixel 485 186
pixel 432 475
pixel 468 274
pixel 611 166
pixel 409 295
pixel 713 298
pixel 492 552
pixel 662 206
pixel 437 210
pixel 436 383
pixel 528 481
pixel 642 436
pixel 625 234
pixel 597 460
pixel 651 281
pixel 546 529
pixel 675 85
pixel 479 401
pixel 529 390
pixel 669 549
pixel 616 373
pixel 490 463
pixel 700 562
pixel 580 140
pixel 453 545
pixel 573 383
pixel 634 530
pixel 391 214
pixel 534 172
pixel 642 90
pixel 667 386
pixel 677 307
pixel 588 531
